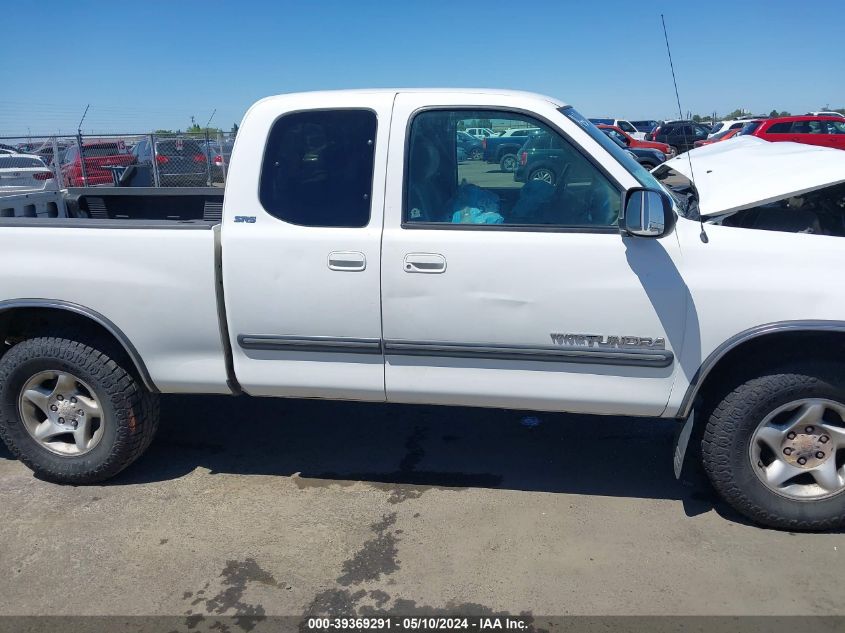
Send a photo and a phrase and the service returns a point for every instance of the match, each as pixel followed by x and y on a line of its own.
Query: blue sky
pixel 150 64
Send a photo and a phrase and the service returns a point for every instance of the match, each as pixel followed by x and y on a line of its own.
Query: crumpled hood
pixel 747 171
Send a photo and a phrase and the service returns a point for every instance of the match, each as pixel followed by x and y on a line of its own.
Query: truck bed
pixel 158 286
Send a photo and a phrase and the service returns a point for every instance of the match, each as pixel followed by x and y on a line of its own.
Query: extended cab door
pixel 516 289
pixel 301 246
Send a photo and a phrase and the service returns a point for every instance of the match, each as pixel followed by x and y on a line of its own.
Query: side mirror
pixel 648 213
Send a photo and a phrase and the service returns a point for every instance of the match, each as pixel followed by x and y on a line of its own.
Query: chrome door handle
pixel 348 261
pixel 424 263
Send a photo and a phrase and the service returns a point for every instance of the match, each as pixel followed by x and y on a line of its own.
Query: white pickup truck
pixel 358 258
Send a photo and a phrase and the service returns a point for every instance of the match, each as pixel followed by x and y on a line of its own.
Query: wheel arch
pixel 761 346
pixel 25 317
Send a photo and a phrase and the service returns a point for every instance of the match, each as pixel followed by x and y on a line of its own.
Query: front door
pixel 516 289
pixel 301 249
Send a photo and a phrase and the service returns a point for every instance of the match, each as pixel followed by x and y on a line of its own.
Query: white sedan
pixel 25 173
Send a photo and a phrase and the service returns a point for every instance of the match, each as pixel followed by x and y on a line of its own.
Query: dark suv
pixel 543 157
pixel 181 162
pixel 681 135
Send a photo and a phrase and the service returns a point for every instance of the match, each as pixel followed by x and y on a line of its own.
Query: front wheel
pixel 71 412
pixel 774 448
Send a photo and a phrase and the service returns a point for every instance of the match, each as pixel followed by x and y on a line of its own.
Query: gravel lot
pixel 306 507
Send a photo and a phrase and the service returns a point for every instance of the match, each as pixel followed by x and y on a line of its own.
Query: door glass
pixel 536 179
pixel 835 127
pixel 318 168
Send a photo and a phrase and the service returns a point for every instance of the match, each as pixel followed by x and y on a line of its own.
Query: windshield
pixel 749 128
pixel 619 153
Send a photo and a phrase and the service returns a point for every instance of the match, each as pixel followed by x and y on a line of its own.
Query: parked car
pixel 8 149
pixel 646 156
pixel 721 136
pixel 631 142
pixel 480 132
pixel 523 132
pixel 25 173
pixel 622 124
pixel 180 162
pixel 470 145
pixel 730 124
pixel 598 298
pixel 219 155
pixel 644 126
pixel 505 148
pixel 99 157
pixel 680 136
pixel 827 131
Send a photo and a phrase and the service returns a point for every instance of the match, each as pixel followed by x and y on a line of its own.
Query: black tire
pixel 130 412
pixel 725 447
pixel 549 178
pixel 675 147
pixel 508 163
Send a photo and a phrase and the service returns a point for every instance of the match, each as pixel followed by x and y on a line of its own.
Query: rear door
pixel 301 247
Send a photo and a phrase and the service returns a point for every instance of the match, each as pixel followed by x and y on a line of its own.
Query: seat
pixel 425 203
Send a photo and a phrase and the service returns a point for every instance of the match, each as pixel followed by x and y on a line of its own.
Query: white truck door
pixel 301 247
pixel 516 289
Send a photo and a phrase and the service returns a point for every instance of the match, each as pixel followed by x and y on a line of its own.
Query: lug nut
pixel 819 455
pixel 53 407
pixel 791 435
pixel 802 460
pixel 824 439
pixel 60 397
pixel 787 451
pixel 73 400
pixel 80 412
pixel 61 420
pixel 809 429
pixel 74 424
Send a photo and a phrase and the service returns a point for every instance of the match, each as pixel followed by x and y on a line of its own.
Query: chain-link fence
pixel 130 160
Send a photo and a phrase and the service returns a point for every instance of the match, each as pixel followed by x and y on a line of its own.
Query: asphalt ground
pixel 291 507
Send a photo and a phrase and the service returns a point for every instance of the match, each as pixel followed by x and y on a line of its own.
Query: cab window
pixel 536 180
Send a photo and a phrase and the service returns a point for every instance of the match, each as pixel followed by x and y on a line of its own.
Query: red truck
pixel 99 156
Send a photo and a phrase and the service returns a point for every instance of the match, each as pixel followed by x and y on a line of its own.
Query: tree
pixel 210 131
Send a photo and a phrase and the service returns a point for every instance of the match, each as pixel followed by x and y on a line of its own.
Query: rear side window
pixel 102 150
pixel 779 128
pixel 318 168
pixel 178 147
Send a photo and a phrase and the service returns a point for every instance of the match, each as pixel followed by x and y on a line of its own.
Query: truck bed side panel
pixel 157 285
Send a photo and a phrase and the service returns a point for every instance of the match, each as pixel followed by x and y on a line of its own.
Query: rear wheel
pixel 476 154
pixel 71 412
pixel 774 448
pixel 674 150
pixel 508 163
pixel 543 173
